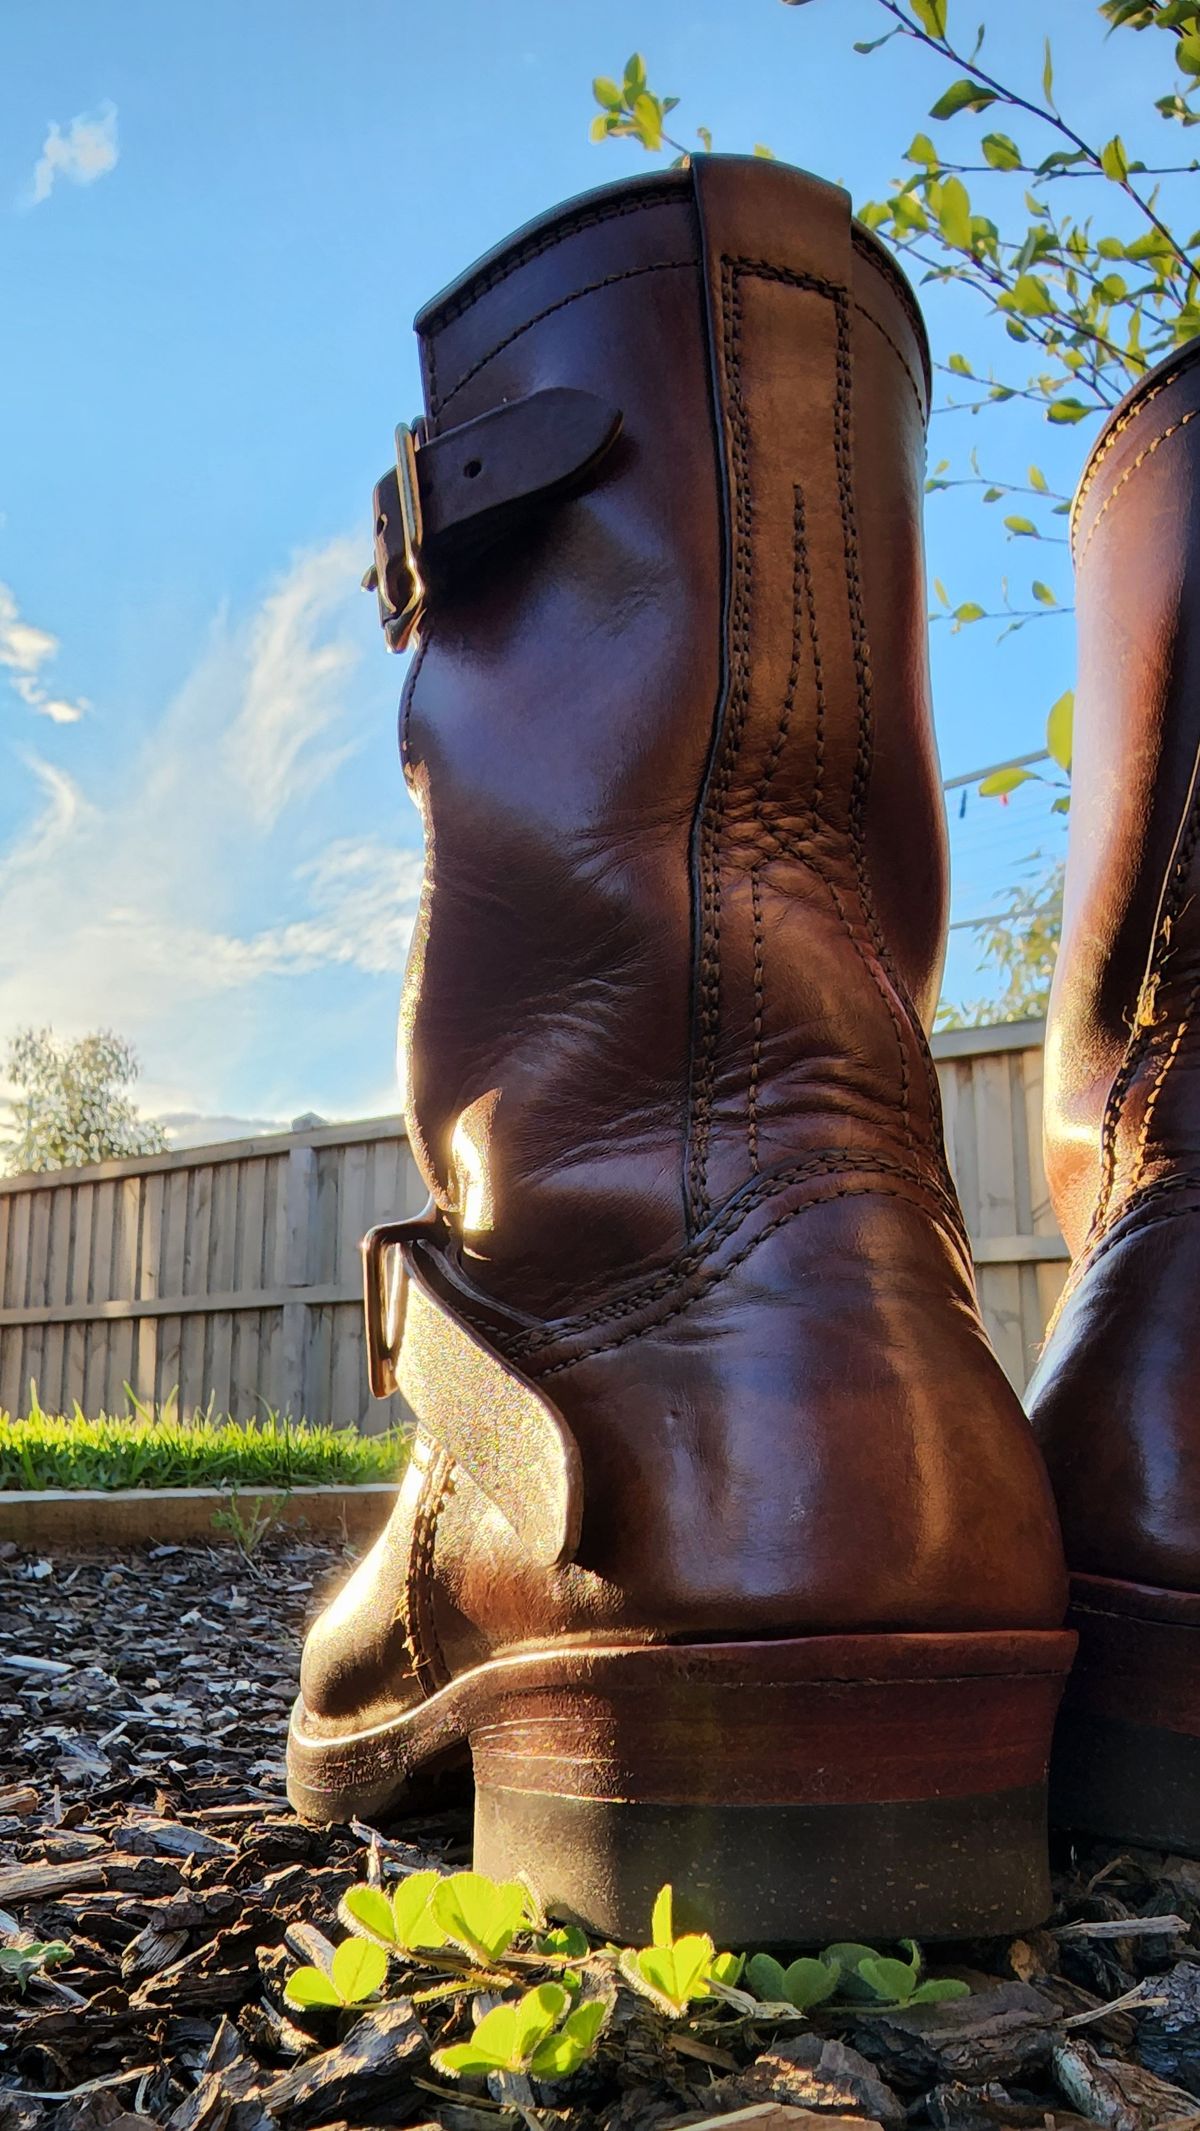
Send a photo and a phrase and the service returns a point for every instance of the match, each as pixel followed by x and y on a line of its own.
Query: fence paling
pixel 232 1271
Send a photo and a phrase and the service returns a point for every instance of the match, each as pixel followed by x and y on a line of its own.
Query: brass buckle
pixel 385 1283
pixel 400 612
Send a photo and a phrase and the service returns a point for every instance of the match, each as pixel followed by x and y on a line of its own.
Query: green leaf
pixel 939 1990
pixel 1029 295
pixel 661 1933
pixel 809 1982
pixel 931 14
pixel 310 1986
pixel 1043 593
pixel 1002 782
pixel 765 1975
pixel 847 1953
pixel 647 119
pixel 1060 730
pixel 567 1940
pixel 727 1968
pixel 635 76
pixel 893 1982
pixel 942 595
pixel 1001 152
pixel 491 2047
pixel 704 137
pixel 954 214
pixel 1113 160
pixel 960 366
pixel 537 2012
pixel 1037 479
pixel 1187 52
pixel 677 1973
pixel 969 611
pixel 413 1919
pixel 963 95
pixel 1067 411
pixel 357 1970
pixel 767 154
pixel 369 1909
pixel 1023 527
pixel 607 93
pixel 921 150
pixel 564 2052
pixel 1048 76
pixel 601 127
pixel 1061 806
pixel 480 1915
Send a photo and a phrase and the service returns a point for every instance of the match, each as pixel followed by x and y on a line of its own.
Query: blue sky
pixel 215 226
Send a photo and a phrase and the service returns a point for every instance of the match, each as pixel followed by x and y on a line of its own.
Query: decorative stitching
pixel 897 351
pixel 1152 1100
pixel 875 253
pixel 1116 429
pixel 756 1047
pixel 1140 1039
pixel 429 1662
pixel 770 1182
pixel 588 218
pixel 1171 430
pixel 802 607
pixel 719 1273
pixel 606 281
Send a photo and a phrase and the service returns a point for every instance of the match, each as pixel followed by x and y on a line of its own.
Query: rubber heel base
pixel 836 1787
pixel 1126 1760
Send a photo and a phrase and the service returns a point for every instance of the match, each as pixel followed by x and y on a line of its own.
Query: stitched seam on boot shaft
pixel 536 247
pixel 1139 1042
pixel 681 1270
pixel 906 1025
pixel 1173 429
pixel 717 1274
pixel 1152 1100
pixel 429 1661
pixel 759 1013
pixel 607 281
pixel 875 254
pixel 1117 431
pixel 1147 1213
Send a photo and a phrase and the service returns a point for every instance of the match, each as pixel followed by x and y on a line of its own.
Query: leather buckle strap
pixel 450 496
pixel 493 1421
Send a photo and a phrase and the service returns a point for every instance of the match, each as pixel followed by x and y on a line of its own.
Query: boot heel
pixel 1126 1758
pixel 793 1791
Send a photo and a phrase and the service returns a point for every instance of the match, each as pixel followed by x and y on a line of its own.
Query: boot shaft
pixel 1122 1056
pixel 685 892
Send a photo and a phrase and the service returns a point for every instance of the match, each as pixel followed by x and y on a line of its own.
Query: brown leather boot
pixel 726 1549
pixel 1116 1397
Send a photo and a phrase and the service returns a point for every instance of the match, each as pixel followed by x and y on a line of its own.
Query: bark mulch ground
pixel 143 1705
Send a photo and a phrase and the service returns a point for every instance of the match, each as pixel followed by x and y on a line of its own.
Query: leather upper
pixel 1113 1399
pixel 663 1032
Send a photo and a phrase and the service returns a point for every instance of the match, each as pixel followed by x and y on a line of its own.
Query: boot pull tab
pixel 451 496
pixel 494 1422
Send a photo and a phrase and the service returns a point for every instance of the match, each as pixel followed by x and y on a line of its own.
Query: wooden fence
pixel 232 1271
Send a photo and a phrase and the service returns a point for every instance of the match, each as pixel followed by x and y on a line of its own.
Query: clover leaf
pixel 355 1974
pixel 563 2052
pixel 480 1915
pixel 567 1943
pixel 670 1971
pixel 507 2038
pixel 806 1982
pixel 403 1921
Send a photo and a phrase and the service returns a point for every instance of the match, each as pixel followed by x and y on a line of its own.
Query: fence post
pixel 298 1191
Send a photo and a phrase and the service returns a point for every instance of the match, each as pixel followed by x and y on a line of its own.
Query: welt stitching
pixel 590 218
pixel 1139 1041
pixel 721 1272
pixel 768 1186
pixel 429 1660
pixel 759 1001
pixel 1190 414
pixel 606 281
pixel 1132 1226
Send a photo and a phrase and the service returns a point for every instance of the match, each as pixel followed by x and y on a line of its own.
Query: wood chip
pixel 375 2062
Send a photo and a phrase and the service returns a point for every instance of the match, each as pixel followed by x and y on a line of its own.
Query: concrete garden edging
pixel 135 1516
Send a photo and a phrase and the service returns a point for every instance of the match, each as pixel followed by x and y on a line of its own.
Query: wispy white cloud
pixel 82 152
pixel 24 651
pixel 126 907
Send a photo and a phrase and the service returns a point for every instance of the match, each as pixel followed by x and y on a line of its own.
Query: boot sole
pixel 1126 1760
pixel 790 1791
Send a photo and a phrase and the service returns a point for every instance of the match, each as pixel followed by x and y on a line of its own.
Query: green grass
pixel 154 1448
